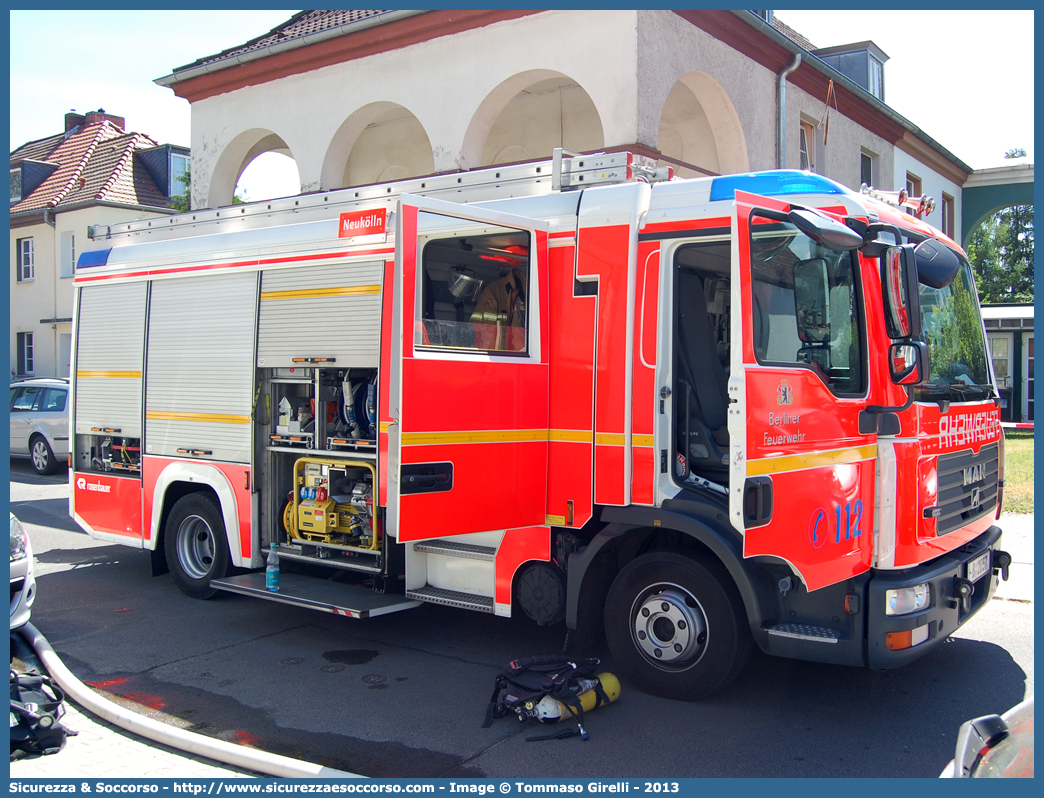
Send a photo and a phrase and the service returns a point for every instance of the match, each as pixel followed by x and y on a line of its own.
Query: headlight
pixel 18 539
pixel 905 600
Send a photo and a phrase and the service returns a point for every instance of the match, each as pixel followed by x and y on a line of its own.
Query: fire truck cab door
pixel 468 399
pixel 801 483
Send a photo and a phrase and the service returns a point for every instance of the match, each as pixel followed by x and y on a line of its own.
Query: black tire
pixel 41 456
pixel 196 546
pixel 676 625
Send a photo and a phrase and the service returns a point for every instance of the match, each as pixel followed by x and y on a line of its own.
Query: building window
pixel 876 80
pixel 999 349
pixel 913 190
pixel 179 165
pixel 25 353
pixel 913 185
pixel 867 168
pixel 807 147
pixel 947 215
pixel 25 259
pixel 68 254
pixel 16 185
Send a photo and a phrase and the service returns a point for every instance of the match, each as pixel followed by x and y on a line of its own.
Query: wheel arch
pixel 181 479
pixel 633 527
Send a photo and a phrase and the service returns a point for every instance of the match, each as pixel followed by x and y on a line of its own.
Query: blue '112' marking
pixel 853 518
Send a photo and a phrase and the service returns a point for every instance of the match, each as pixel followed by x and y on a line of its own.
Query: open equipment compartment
pixel 318 455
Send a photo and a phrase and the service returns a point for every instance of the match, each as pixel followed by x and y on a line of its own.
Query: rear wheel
pixel 196 545
pixel 676 625
pixel 43 458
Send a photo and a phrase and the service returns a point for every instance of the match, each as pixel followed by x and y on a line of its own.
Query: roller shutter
pixel 321 311
pixel 199 379
pixel 110 339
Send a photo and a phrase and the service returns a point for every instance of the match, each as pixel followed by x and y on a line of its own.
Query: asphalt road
pixel 405 694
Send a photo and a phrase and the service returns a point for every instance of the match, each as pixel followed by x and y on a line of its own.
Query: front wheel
pixel 196 546
pixel 676 625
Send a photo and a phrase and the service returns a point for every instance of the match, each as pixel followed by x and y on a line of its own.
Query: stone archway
pixel 979 202
pixel 219 190
pixel 699 127
pixel 379 142
pixel 526 116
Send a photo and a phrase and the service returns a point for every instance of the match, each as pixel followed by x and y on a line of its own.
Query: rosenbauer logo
pixel 83 484
pixel 362 223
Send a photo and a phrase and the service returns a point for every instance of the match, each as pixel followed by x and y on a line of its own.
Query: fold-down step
pixel 353 601
pixel 454 549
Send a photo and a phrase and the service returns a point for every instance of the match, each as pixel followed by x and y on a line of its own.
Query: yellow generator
pixel 332 503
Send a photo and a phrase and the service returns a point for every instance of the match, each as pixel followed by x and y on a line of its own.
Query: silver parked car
pixel 23 581
pixel 995 747
pixel 40 422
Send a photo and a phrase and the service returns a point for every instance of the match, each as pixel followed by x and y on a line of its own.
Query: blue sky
pixel 964 77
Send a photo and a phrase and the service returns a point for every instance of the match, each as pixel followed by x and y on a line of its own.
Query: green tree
pixel 182 203
pixel 1001 252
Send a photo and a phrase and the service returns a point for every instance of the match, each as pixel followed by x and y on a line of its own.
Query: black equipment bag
pixel 36 707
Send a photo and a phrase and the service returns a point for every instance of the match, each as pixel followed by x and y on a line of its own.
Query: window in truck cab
pixel 806 306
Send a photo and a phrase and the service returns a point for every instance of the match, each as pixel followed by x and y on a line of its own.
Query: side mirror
pixel 908 363
pixel 937 264
pixel 825 230
pixel 974 738
pixel 902 298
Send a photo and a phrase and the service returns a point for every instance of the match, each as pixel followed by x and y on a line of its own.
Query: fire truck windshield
pixel 957 350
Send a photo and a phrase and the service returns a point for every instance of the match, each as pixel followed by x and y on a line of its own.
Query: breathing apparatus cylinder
pixel 348 397
pixel 371 406
pixel 550 710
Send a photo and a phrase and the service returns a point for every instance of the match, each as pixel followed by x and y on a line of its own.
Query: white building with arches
pixel 361 97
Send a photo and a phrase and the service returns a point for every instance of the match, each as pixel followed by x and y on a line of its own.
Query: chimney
pixel 99 116
pixel 72 120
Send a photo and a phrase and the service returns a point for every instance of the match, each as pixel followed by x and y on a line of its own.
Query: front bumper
pixel 946 612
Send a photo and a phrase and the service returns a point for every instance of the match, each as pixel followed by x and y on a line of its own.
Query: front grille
pixel 957 500
pixel 16 586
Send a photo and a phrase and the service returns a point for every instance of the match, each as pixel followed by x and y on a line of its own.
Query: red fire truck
pixel 710 413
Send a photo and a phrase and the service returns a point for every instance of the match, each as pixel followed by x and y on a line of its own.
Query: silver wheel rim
pixel 196 545
pixel 40 458
pixel 669 627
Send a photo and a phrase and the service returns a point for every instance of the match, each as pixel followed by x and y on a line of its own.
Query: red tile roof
pixel 301 24
pixel 95 163
pixel 791 34
pixel 38 150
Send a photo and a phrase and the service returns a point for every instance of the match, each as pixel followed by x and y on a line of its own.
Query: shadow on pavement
pixel 52 513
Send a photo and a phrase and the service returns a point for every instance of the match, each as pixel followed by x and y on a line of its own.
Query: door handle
pixel 757 501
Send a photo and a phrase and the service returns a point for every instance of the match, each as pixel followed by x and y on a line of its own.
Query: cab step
pixel 452 598
pixel 453 549
pixel 805 631
pixel 353 601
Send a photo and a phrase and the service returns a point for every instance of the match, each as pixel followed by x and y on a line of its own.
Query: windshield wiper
pixel 963 388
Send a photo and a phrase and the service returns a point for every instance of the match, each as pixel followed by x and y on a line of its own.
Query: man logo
pixel 975 473
pixel 784 393
pixel 81 483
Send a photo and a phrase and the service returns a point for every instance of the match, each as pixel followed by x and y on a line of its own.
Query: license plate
pixel 978 567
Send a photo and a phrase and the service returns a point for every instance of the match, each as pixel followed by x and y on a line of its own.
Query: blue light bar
pixel 774 184
pixel 94 257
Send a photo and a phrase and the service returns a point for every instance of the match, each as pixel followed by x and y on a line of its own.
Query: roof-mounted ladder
pixel 565 171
